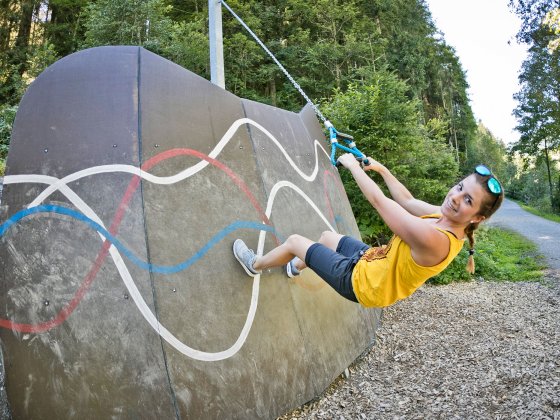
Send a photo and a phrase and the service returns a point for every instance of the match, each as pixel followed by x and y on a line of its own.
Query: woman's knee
pixel 294 240
pixel 330 239
pixel 298 244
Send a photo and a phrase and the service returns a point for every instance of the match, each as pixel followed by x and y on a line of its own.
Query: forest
pixel 378 69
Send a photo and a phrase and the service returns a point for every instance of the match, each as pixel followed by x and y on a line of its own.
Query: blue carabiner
pixel 334 136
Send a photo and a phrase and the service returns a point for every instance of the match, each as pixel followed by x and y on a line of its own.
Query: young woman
pixel 426 239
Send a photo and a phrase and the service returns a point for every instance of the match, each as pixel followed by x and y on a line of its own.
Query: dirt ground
pixel 469 350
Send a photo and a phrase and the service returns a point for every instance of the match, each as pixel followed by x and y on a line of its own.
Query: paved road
pixel 544 233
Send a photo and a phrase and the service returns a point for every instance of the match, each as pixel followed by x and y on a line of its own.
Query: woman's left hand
pixel 348 160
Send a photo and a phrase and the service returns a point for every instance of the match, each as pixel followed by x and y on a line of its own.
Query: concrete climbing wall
pixel 128 178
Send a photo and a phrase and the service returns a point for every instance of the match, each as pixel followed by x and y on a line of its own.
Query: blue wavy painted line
pixel 163 269
pixel 341 221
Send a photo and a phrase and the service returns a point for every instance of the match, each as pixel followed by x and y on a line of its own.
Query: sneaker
pixel 291 269
pixel 245 256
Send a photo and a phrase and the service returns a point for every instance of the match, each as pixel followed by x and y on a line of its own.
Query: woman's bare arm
pixel 429 246
pixel 400 193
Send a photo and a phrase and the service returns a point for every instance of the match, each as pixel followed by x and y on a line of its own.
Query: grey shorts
pixel 336 267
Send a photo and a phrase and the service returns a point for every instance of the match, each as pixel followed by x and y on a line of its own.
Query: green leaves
pixel 127 22
pixel 7 117
pixel 538 110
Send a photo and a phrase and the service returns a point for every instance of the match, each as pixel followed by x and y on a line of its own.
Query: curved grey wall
pixel 128 179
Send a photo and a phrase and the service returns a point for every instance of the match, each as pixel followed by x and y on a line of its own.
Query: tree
pixel 529 181
pixel 147 23
pixel 126 22
pixel 16 36
pixel 532 14
pixel 7 117
pixel 487 149
pixel 538 111
pixel 552 20
pixel 24 49
pixel 65 27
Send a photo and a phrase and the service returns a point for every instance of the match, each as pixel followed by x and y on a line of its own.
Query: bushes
pixel 7 117
pixel 529 183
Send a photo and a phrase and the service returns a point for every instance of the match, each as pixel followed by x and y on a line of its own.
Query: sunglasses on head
pixel 493 184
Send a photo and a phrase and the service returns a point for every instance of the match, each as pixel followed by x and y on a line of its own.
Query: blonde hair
pixel 488 207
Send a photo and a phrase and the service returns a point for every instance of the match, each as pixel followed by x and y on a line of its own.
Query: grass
pixel 537 212
pixel 500 255
pixel 2 166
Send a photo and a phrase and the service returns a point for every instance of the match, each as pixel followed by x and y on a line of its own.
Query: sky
pixel 479 31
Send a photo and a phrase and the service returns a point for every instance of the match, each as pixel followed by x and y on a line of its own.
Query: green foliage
pixel 7 117
pixel 65 30
pixel 552 20
pixel 530 183
pixel 386 125
pixel 487 149
pixel 40 57
pixel 538 110
pixel 148 24
pixel 532 14
pixel 127 22
pixel 188 46
pixel 500 255
pixel 12 84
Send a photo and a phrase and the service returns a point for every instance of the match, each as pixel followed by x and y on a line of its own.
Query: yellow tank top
pixel 388 273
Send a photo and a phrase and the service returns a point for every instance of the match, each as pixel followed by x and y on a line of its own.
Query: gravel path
pixel 470 350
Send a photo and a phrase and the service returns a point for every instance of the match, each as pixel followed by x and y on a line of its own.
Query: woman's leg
pixel 329 239
pixel 295 246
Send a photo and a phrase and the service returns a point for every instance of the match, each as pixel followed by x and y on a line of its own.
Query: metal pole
pixel 216 43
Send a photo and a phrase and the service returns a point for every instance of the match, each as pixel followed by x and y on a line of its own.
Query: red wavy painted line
pixel 132 187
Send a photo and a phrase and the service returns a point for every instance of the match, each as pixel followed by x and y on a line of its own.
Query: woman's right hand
pixel 373 165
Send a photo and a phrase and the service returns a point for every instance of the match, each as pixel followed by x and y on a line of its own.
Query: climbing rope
pixel 334 135
pixel 288 75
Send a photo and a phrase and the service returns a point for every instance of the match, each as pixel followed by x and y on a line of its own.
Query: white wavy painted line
pixel 144 308
pixel 58 184
pixel 168 180
pixel 63 188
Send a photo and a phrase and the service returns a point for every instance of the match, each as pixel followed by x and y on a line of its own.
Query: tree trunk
pixel 7 24
pixel 24 31
pixel 547 161
pixel 557 200
pixel 18 55
pixel 272 90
